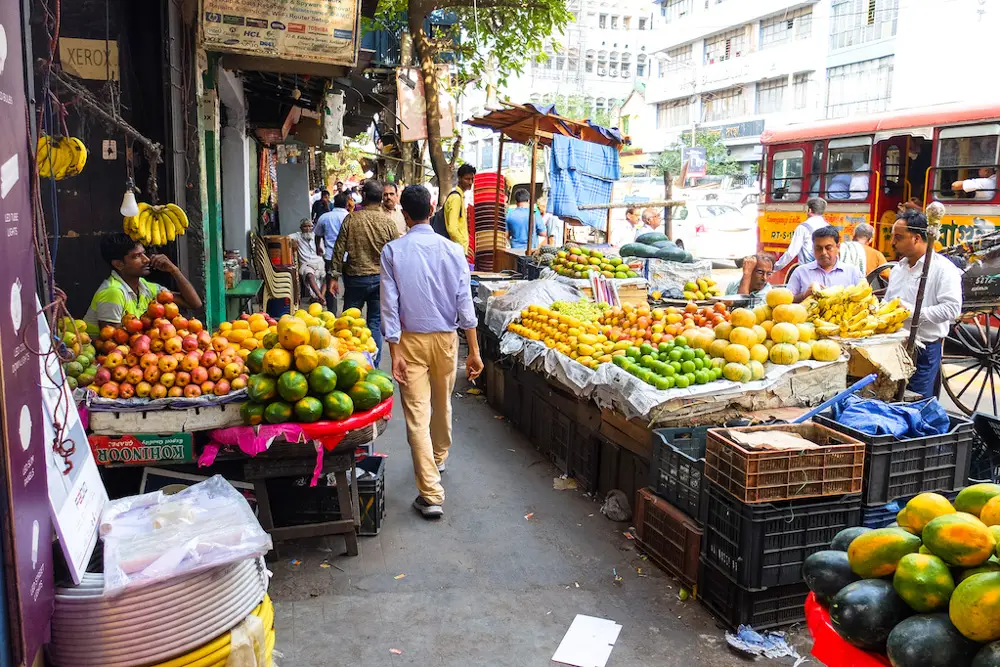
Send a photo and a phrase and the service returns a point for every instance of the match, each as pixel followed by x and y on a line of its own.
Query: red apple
pixel 207 387
pixel 221 388
pixel 109 390
pixel 192 391
pixel 189 343
pixel 133 324
pixel 195 326
pixel 173 344
pixel 134 375
pixel 244 316
pixel 102 376
pixel 107 332
pixel 168 379
pixel 189 362
pixel 147 322
pixel 232 370
pixel 165 296
pixel 141 344
pixel 204 339
pixel 175 392
pixel 199 374
pixel 148 359
pixel 151 374
pixel 142 389
pixel 113 359
pixel 239 383
pixel 171 311
pixel 126 390
pixel 156 345
pixel 167 364
pixel 131 359
pixel 209 358
pixel 120 336
pixel 182 379
pixel 158 391
pixel 155 310
pixel 214 373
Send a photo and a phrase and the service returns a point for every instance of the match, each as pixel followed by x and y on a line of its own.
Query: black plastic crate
pixel 294 502
pixel 539 421
pixel 903 468
pixel 985 465
pixel 528 268
pixel 763 545
pixel 562 434
pixel 762 609
pixel 585 460
pixel 882 515
pixel 677 469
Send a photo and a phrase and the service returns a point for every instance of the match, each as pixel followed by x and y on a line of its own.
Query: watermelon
pixel 308 410
pixel 252 413
pixel 843 539
pixel 972 498
pixel 278 412
pixel 638 250
pixel 384 384
pixel 255 360
pixel 988 656
pixel 365 396
pixel 322 380
pixel 348 374
pixel 928 640
pixel 649 238
pixel 292 385
pixel 337 406
pixel 959 539
pixel 826 572
pixel 924 582
pixel 975 607
pixel 875 553
pixel 261 388
pixel 865 612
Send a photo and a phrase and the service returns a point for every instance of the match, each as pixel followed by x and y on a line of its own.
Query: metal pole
pixel 935 211
pixel 496 210
pixel 531 194
pixel 668 192
pixel 607 228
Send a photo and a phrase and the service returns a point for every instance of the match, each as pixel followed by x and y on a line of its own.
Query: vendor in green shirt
pixel 126 290
pixel 756 270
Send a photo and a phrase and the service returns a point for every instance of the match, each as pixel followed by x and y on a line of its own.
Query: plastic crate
pixel 562 434
pixel 489 343
pixel 539 427
pixel 903 468
pixel 677 468
pixel 667 536
pixel 882 515
pixel 585 460
pixel 985 456
pixel 765 545
pixel 762 609
pixel 527 268
pixel 766 475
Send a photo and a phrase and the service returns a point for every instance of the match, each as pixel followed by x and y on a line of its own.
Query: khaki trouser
pixel 431 366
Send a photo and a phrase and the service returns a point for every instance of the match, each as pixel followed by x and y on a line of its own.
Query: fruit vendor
pixel 312 268
pixel 826 270
pixel 425 298
pixel 756 270
pixel 942 302
pixel 126 290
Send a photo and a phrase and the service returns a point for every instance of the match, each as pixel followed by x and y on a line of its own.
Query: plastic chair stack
pixel 486 193
pixel 277 285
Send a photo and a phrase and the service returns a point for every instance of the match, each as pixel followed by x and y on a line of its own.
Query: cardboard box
pixel 142 449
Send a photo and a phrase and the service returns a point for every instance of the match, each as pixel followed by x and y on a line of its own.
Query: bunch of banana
pixel 854 312
pixel 60 157
pixel 156 225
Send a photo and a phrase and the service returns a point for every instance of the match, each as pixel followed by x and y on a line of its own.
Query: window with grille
pixel 560 62
pixel 613 64
pixel 588 64
pixel 967 153
pixel 674 10
pixel 723 104
pixel 678 58
pixel 854 22
pixel 784 28
pixel 626 65
pixel 725 46
pixel 800 89
pixel 673 114
pixel 640 66
pixel 642 24
pixel 627 23
pixel 859 88
pixel 771 95
pixel 602 21
pixel 614 23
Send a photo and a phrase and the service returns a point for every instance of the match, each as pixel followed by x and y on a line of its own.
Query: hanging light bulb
pixel 129 208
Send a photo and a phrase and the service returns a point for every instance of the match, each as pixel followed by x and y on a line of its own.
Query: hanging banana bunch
pixel 60 157
pixel 156 225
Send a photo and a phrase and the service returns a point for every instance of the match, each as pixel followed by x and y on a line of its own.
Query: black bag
pixel 437 220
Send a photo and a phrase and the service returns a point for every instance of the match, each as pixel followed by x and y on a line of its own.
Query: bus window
pixel 967 163
pixel 786 175
pixel 848 169
pixel 892 172
pixel 816 172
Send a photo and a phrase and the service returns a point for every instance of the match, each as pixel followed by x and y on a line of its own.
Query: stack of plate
pixel 162 622
pixel 489 218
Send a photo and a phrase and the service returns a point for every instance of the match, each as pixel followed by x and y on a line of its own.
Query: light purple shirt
pixel 807 274
pixel 425 285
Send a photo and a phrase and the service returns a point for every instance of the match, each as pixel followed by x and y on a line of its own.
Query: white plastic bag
pixel 154 537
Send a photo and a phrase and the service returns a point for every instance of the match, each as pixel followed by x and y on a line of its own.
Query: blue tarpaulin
pixel 902 420
pixel 581 173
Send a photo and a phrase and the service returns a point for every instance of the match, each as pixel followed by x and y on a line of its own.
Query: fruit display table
pixel 829 647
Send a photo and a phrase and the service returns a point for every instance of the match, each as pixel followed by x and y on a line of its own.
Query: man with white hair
pixel 651 219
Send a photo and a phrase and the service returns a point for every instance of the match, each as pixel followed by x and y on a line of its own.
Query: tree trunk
pixel 428 71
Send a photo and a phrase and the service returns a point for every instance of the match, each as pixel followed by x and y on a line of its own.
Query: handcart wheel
pixel 879 278
pixel 970 365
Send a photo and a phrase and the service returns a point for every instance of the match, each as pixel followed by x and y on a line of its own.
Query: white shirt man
pixel 985 186
pixel 800 246
pixel 942 294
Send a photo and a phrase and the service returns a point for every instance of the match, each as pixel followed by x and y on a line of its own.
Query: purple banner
pixel 29 554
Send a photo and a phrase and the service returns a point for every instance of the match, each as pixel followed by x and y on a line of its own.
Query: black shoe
pixel 426 509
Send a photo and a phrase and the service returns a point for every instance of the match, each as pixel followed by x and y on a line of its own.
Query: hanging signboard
pixel 26 531
pixel 314 31
pixel 412 111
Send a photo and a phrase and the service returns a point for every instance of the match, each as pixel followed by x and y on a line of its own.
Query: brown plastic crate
pixel 764 476
pixel 668 536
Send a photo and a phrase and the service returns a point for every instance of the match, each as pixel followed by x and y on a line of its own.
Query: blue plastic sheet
pixel 902 420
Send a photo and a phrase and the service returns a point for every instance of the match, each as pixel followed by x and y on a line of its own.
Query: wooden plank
pixel 165 422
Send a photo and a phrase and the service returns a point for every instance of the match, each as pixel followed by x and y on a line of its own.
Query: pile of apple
pixel 163 354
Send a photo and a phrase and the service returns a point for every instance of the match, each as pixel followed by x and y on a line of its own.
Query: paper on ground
pixel 588 642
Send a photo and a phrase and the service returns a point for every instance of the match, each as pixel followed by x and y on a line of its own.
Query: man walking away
pixel 311 267
pixel 800 246
pixel 425 297
pixel 517 224
pixel 327 230
pixel 942 296
pixel 390 204
pixel 362 237
pixel 455 216
pixel 321 205
pixel 865 235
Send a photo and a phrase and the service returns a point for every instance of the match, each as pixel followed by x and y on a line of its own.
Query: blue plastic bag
pixel 902 420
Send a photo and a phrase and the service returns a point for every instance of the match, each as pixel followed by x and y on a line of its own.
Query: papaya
pixel 252 413
pixel 876 553
pixel 959 539
pixel 365 396
pixel 975 607
pixel 988 656
pixel 348 374
pixel 278 412
pixel 990 514
pixel 308 409
pixel 322 380
pixel 826 572
pixel 255 360
pixel 292 386
pixel 988 566
pixel 866 611
pixel 383 383
pixel 843 539
pixel 920 509
pixel 928 640
pixel 924 582
pixel 337 406
pixel 261 388
pixel 972 498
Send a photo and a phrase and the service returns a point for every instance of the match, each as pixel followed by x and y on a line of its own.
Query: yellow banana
pixel 180 215
pixel 42 155
pixel 156 239
pixel 169 225
pixel 80 156
pixel 62 161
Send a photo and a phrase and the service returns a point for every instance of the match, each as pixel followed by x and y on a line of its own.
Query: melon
pixel 779 296
pixel 785 332
pixel 827 572
pixel 793 313
pixel 988 656
pixel 928 640
pixel 744 336
pixel 865 612
pixel 737 354
pixel 784 354
pixel 825 350
pixel 842 540
pixel 742 317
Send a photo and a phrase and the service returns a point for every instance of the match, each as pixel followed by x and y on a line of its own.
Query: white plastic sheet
pixel 154 536
pixel 504 309
pixel 663 275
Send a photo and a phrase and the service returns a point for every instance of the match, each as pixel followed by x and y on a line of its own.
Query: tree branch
pixel 456 148
pixel 490 4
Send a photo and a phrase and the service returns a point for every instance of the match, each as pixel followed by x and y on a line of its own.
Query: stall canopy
pixel 585 157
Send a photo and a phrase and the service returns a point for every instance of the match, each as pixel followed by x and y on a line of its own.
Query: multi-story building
pixel 587 72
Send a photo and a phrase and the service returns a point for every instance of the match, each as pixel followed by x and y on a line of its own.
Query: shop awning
pixel 517 123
